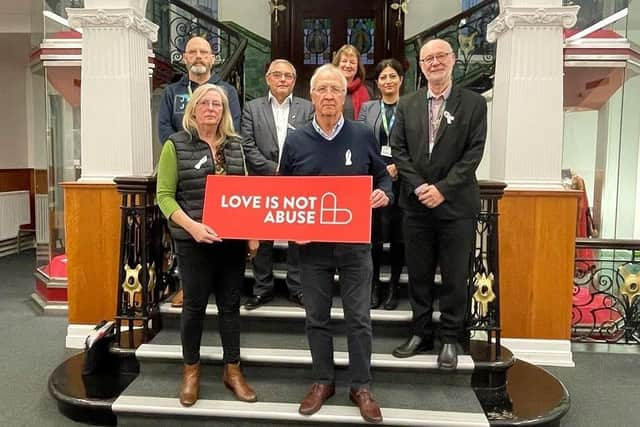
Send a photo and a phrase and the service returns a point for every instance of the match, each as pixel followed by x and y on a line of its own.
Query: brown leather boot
pixel 190 384
pixel 234 380
pixel 176 301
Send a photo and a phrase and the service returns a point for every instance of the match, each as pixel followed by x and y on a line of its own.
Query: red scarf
pixel 359 95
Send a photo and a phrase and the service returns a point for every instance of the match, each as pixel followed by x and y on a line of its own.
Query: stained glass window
pixel 317 41
pixel 361 34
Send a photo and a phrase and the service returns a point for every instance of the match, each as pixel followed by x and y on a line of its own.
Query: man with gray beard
pixel 199 61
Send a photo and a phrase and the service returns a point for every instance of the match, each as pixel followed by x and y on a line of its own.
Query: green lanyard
pixel 387 126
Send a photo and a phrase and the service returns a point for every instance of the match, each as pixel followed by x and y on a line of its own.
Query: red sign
pixel 299 208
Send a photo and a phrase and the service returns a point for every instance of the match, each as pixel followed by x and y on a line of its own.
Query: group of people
pixel 421 150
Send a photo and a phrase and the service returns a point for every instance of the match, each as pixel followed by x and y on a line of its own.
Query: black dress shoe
pixel 448 357
pixel 412 346
pixel 256 301
pixel 375 295
pixel 297 299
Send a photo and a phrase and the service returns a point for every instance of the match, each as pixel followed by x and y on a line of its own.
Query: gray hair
pixel 281 61
pixel 328 68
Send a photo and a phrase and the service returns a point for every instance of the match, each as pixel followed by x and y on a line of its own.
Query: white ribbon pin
pixel 449 117
pixel 347 158
pixel 200 162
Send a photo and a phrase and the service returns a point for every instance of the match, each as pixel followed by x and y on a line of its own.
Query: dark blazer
pixel 456 154
pixel 259 130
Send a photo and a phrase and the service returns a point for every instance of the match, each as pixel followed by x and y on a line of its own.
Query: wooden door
pixel 308 33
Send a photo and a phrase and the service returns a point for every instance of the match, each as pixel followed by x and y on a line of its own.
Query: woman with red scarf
pixel 348 60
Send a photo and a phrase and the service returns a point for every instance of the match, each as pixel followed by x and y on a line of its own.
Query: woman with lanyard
pixel 387 222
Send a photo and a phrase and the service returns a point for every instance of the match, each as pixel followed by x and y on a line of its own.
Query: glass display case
pixel 601 127
pixel 56 129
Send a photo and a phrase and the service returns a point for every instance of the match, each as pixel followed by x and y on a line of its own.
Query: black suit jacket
pixel 452 165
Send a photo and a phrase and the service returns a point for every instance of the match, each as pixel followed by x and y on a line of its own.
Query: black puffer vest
pixel 195 162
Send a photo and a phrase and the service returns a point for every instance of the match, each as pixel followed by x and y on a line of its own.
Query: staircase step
pixel 428 399
pixel 278 356
pixel 275 411
pixel 281 308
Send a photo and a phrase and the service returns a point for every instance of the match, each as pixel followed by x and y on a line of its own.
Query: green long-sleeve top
pixel 167 180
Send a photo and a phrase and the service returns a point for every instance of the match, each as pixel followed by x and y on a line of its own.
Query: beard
pixel 199 69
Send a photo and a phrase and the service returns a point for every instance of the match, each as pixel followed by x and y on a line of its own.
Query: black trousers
pixel 206 268
pixel 430 242
pixel 319 262
pixel 263 269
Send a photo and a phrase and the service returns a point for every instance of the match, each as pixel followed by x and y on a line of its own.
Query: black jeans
pixel 448 243
pixel 319 262
pixel 206 268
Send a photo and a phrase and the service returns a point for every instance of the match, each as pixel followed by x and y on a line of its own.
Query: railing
pixel 592 11
pixel 59 7
pixel 606 291
pixel 466 32
pixel 180 21
pixel 145 263
pixel 484 285
pixel 257 56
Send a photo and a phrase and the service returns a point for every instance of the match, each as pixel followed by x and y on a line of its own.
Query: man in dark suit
pixel 437 144
pixel 265 123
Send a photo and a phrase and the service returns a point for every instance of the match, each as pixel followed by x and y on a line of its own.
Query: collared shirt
pixel 336 129
pixel 436 107
pixel 281 118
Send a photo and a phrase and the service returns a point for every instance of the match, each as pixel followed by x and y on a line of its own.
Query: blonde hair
pixel 349 49
pixel 225 127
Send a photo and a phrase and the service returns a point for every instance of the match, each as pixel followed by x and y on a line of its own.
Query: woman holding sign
pixel 208 145
pixel 387 222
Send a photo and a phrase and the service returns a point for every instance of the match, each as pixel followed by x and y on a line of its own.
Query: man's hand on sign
pixel 202 233
pixel 379 199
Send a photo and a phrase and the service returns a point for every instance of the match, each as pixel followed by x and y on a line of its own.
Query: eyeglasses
pixel 202 52
pixel 279 75
pixel 334 90
pixel 209 103
pixel 430 59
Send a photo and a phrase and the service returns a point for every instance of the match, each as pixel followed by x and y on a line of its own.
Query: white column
pixel 527 116
pixel 116 112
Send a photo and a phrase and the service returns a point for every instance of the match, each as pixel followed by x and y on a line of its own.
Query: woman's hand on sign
pixel 202 233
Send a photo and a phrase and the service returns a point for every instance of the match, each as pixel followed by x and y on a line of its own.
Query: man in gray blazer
pixel 265 123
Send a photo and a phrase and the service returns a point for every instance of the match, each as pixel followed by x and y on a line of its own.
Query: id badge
pixel 385 151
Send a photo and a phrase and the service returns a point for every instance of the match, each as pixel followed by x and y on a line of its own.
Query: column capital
pixel 113 18
pixel 513 16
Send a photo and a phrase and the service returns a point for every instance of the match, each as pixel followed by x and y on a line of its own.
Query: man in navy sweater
pixel 331 145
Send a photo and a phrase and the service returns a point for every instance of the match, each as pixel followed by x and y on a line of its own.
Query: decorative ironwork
pixel 466 32
pixel 361 34
pixel 141 256
pixel 275 9
pixel 401 7
pixel 180 21
pixel 484 277
pixel 317 41
pixel 606 286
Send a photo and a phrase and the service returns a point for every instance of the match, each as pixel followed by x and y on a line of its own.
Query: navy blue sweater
pixel 306 152
pixel 174 101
